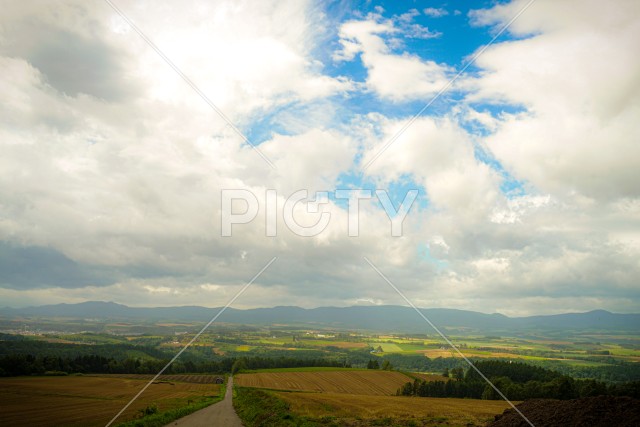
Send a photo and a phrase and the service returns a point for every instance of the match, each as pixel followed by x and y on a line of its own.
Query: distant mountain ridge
pixel 380 318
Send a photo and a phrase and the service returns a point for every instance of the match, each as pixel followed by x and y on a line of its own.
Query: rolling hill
pixel 380 318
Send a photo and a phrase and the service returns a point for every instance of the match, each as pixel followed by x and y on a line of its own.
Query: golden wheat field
pixel 427 410
pixel 380 383
pixel 87 401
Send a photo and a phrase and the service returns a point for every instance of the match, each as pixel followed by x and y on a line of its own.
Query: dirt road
pixel 220 414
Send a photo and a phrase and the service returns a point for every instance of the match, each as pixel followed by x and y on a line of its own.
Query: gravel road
pixel 220 414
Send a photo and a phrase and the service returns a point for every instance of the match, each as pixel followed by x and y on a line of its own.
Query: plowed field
pixel 380 383
pixel 184 378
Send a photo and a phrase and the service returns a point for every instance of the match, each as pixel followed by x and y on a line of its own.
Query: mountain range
pixel 379 318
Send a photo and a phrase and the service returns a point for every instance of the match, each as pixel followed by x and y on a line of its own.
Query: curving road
pixel 220 414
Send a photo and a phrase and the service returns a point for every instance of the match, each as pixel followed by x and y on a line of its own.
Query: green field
pixel 387 347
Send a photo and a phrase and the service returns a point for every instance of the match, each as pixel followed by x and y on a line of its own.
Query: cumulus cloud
pixel 568 143
pixel 440 156
pixel 435 12
pixel 579 84
pixel 393 76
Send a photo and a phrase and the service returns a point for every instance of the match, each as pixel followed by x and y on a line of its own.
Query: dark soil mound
pixel 602 411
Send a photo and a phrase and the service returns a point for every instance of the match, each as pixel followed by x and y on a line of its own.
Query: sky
pixel 521 137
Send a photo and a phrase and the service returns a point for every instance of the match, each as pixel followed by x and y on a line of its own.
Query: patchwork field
pixel 337 344
pixel 366 382
pixel 88 401
pixel 421 411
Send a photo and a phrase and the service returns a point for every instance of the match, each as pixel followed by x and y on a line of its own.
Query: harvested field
pixel 346 344
pixel 349 409
pixel 183 378
pixel 435 353
pixel 368 382
pixel 87 401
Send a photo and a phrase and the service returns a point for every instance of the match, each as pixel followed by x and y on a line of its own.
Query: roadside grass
pixel 163 418
pixel 259 408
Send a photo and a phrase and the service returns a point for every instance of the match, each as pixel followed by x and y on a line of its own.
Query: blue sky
pixel 449 38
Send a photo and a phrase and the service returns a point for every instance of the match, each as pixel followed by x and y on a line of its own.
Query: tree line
pixel 517 381
pixel 385 366
pixel 27 364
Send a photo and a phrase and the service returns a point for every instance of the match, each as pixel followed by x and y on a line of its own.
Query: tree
pixel 489 393
pixel 446 372
pixel 238 365
pixel 458 373
pixel 386 365
pixel 501 383
pixel 407 389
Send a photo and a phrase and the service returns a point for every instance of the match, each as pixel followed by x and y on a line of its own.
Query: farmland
pixel 354 398
pixel 90 401
pixel 318 373
pixel 570 350
pixel 423 411
pixel 187 378
pixel 607 357
pixel 375 383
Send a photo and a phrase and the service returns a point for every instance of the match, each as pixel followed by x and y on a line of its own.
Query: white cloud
pixel 392 76
pixel 435 12
pixel 579 83
pixel 440 155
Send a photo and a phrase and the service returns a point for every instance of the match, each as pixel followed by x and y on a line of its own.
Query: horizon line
pixel 316 307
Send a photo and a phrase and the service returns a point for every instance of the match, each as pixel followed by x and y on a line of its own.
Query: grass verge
pixel 163 418
pixel 259 408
